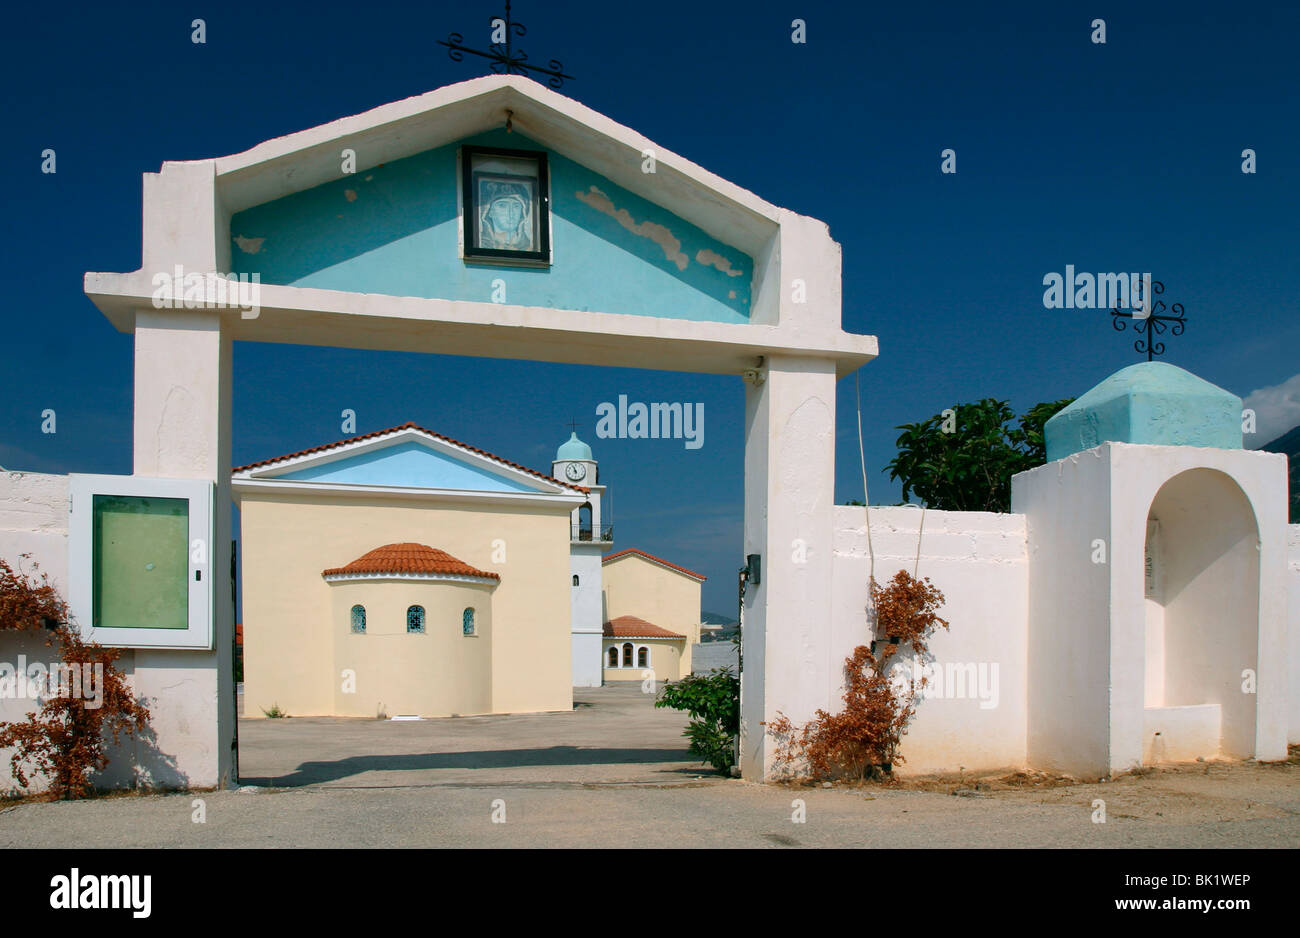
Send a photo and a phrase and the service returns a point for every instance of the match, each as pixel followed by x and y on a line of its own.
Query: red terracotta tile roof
pixel 410 426
pixel 632 627
pixel 640 553
pixel 409 558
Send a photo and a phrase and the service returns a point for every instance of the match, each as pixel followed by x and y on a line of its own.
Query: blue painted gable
pixel 393 230
pixel 409 464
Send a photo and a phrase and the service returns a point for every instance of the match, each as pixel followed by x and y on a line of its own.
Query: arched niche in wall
pixel 1202 611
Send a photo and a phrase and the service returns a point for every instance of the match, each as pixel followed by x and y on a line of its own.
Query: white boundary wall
pixel 1293 629
pixel 34 519
pixel 979 561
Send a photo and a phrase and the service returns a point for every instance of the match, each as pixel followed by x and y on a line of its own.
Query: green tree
pixel 963 459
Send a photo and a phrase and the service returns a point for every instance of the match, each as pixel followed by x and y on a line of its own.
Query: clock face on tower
pixel 575 471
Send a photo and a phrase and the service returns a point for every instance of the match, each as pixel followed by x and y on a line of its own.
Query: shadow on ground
pixel 314 773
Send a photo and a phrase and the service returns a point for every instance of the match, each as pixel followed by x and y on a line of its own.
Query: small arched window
pixel 359 619
pixel 643 657
pixel 467 622
pixel 627 655
pixel 575 579
pixel 415 619
pixel 613 656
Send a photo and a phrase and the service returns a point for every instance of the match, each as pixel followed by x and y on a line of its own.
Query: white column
pixel 789 496
pixel 182 430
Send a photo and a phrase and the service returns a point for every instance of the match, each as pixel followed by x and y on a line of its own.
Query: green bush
pixel 713 701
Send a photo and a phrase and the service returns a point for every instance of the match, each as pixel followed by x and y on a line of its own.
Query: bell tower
pixel 589 538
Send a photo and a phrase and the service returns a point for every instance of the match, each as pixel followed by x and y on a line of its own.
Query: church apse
pixel 396 230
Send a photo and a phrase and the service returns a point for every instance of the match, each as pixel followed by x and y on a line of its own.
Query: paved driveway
pixel 614 734
pixel 614 772
pixel 1233 807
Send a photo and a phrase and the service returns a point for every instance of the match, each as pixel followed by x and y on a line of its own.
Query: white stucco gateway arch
pixel 774 319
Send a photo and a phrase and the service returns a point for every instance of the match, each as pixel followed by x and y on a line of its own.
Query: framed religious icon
pixel 505 202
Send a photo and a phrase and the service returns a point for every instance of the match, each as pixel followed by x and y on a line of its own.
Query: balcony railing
pixel 585 532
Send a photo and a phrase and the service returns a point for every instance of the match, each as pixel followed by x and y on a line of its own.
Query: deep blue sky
pixel 1115 157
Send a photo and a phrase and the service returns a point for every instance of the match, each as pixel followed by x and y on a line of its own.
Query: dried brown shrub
pixel 866 734
pixel 66 741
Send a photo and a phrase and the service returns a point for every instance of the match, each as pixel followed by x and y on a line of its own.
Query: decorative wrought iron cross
pixel 1149 323
pixel 572 425
pixel 505 58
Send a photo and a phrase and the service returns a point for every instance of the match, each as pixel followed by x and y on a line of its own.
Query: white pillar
pixel 789 496
pixel 182 430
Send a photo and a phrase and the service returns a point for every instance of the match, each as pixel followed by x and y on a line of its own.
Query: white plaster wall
pixel 979 561
pixel 1181 734
pixel 34 520
pixel 1068 690
pixel 1293 633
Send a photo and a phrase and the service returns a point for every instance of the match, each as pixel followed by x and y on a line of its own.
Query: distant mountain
pixel 723 628
pixel 1289 443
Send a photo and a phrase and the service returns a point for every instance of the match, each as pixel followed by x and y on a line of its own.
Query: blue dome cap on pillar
pixel 1150 402
pixel 573 448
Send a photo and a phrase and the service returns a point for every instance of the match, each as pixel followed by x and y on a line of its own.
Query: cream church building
pixel 404 573
pixel 652 616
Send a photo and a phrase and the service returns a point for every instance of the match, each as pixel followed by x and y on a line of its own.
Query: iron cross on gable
pixel 1151 317
pixel 505 58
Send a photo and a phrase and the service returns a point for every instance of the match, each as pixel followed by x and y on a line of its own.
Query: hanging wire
pixel 919 531
pixel 862 461
pixel 866 509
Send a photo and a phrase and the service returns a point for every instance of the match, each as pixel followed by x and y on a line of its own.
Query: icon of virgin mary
pixel 505 218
